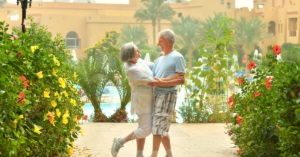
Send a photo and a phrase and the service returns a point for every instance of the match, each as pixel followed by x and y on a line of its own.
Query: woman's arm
pixel 138 77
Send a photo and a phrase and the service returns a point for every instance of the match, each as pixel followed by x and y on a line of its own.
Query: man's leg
pixel 162 115
pixel 167 144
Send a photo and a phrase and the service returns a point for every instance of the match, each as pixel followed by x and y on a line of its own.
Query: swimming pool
pixel 110 108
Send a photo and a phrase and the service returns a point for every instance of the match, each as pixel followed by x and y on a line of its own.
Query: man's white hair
pixel 168 34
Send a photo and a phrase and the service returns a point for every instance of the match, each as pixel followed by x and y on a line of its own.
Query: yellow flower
pixel 30 83
pixel 75 76
pixel 39 74
pixel 220 107
pixel 53 122
pixel 56 61
pixel 232 32
pixel 62 82
pixel 21 116
pixel 53 103
pixel 70 151
pixel 53 72
pixel 37 129
pixel 65 121
pixel 81 107
pixel 51 116
pixel 72 143
pixel 73 102
pixel 33 48
pixel 58 113
pixel 46 93
pixel 65 93
pixel 56 94
pixel 81 132
pixel 73 130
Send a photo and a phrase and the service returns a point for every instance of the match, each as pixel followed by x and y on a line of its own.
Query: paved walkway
pixel 188 140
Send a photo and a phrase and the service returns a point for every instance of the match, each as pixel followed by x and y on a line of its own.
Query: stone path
pixel 188 140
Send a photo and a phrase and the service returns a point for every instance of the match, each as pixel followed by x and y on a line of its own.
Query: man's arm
pixel 178 75
pixel 158 82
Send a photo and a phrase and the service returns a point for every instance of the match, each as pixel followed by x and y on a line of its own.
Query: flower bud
pixel 19 54
pixel 8 52
pixel 293 94
pixel 14 83
pixel 15 36
pixel 4 86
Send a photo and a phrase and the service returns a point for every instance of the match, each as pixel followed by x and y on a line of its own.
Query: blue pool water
pixel 110 108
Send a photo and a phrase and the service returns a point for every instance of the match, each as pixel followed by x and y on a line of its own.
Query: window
pixel 72 41
pixel 179 14
pixel 260 6
pixel 278 28
pixel 293 26
pixel 221 1
pixel 228 6
pixel 271 29
pixel 281 28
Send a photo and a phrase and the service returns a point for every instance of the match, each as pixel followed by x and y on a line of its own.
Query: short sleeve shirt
pixel 167 66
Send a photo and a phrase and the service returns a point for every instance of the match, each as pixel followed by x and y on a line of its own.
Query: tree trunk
pixel 158 19
pixel 154 32
pixel 98 116
pixel 190 52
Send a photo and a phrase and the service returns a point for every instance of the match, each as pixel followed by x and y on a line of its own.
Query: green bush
pixel 267 120
pixel 39 106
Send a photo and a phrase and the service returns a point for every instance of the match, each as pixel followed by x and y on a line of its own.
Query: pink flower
pixel 250 132
pixel 245 58
pixel 15 37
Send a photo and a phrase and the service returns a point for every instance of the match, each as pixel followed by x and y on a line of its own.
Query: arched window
pixel 72 41
pixel 271 28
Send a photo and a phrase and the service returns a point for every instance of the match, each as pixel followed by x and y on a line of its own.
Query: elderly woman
pixel 139 73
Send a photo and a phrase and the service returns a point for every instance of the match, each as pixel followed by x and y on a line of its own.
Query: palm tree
pixel 118 77
pixel 92 74
pixel 211 24
pixel 136 34
pixel 155 10
pixel 249 33
pixel 185 30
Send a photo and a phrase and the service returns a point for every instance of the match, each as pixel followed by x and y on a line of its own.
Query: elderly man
pixel 166 91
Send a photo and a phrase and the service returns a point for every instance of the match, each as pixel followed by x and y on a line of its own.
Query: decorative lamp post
pixel 24 4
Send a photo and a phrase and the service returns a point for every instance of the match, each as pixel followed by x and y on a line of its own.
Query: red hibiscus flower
pixel 268 85
pixel 25 83
pixel 85 117
pixel 232 105
pixel 276 49
pixel 240 151
pixel 255 95
pixel 240 81
pixel 79 118
pixel 22 78
pixel 22 97
pixel 238 119
pixel 81 111
pixel 80 92
pixel 251 65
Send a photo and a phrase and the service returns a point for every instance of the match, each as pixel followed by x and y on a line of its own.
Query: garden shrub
pixel 267 120
pixel 38 104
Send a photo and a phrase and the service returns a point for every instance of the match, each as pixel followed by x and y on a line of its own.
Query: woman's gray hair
pixel 127 52
pixel 168 34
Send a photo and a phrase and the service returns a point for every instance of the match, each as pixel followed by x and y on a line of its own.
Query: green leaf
pixel 198 64
pixel 236 67
pixel 210 30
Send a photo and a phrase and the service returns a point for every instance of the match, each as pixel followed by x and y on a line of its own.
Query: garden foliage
pixel 38 105
pixel 267 120
pixel 212 80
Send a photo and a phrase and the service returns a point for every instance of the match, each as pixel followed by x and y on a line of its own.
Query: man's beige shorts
pixel 163 110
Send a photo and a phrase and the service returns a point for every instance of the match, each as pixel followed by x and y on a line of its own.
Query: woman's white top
pixel 139 74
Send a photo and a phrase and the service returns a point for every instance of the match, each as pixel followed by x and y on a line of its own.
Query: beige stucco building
pixel 84 22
